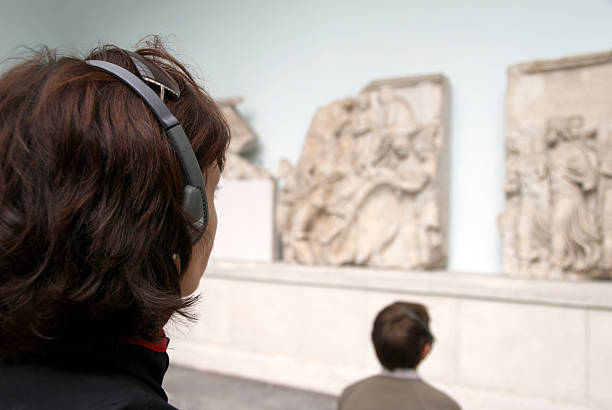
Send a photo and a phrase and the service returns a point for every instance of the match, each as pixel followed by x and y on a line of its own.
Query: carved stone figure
pixel 575 243
pixel 243 142
pixel 605 202
pixel 524 223
pixel 370 186
pixel 558 219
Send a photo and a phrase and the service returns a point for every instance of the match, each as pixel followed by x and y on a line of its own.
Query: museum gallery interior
pixel 454 155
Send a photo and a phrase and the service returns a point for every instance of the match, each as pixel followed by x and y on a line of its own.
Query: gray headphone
pixel 195 205
pixel 422 324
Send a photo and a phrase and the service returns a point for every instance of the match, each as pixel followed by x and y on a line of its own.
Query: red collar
pixel 159 346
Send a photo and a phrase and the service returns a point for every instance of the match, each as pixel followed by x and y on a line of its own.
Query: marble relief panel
pixel 558 217
pixel 370 187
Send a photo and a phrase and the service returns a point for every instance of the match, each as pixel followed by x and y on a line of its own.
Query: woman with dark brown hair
pixel 98 243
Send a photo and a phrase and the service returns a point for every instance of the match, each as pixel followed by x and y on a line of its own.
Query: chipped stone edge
pixel 408 81
pixel 565 63
pixel 232 102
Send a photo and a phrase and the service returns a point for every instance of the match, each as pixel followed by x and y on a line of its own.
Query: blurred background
pixel 286 58
pixel 502 343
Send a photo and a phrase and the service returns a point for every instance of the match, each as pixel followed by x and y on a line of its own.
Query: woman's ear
pixel 426 350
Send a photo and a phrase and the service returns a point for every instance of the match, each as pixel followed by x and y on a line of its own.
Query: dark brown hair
pixel 398 337
pixel 90 201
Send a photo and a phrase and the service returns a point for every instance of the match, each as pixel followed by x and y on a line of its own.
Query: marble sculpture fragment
pixel 371 185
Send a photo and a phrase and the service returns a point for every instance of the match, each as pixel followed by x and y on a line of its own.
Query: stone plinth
pixel 309 327
pixel 241 204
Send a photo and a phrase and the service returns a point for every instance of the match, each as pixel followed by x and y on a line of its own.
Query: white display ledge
pixel 309 327
pixel 494 287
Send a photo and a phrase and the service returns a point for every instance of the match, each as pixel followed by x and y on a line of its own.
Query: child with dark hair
pixel 97 248
pixel 402 339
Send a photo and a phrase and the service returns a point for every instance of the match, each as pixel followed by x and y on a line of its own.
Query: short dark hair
pixel 90 201
pixel 400 332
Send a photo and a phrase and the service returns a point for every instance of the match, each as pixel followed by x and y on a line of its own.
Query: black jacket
pixel 128 376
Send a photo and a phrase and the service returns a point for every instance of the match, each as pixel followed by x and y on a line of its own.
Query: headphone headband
pixel 421 323
pixel 162 113
pixel 194 204
pixel 151 74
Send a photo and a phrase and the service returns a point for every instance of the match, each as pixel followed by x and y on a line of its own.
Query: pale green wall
pixel 30 23
pixel 289 57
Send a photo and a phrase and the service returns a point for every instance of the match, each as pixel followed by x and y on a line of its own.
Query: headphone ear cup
pixel 195 205
pixel 196 208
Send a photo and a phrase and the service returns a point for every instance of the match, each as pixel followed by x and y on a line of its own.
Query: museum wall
pixel 545 343
pixel 31 23
pixel 288 58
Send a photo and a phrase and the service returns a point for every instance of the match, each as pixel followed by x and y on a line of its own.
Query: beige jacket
pixel 385 392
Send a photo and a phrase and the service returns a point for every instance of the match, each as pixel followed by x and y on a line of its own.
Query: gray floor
pixel 195 390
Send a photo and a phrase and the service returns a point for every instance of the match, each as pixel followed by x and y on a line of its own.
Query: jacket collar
pixel 401 373
pixel 159 346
